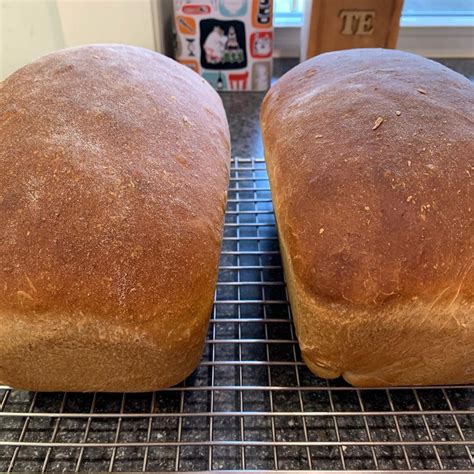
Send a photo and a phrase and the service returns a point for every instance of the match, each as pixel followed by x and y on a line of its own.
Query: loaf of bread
pixel 114 168
pixel 370 155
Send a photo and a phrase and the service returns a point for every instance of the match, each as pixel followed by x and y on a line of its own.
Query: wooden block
pixel 332 25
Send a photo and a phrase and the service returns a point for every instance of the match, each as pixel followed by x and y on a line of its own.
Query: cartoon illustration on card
pixel 261 44
pixel 233 8
pixel 223 43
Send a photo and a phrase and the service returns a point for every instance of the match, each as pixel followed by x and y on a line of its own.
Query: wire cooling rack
pixel 252 403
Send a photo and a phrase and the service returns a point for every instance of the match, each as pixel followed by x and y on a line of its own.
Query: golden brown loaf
pixel 370 155
pixel 114 166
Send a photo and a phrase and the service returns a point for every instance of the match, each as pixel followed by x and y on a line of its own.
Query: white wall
pixel 107 21
pixel 31 28
pixel 28 29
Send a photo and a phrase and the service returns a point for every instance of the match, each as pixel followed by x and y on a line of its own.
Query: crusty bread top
pixel 114 164
pixel 374 209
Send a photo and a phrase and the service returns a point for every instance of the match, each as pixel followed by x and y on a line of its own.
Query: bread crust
pixel 115 164
pixel 370 155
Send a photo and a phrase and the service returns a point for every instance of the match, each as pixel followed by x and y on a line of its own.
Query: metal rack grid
pixel 252 403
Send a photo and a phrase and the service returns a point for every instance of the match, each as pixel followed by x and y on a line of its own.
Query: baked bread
pixel 370 155
pixel 115 164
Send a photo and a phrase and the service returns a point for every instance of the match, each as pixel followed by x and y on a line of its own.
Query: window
pixel 415 12
pixel 438 13
pixel 288 12
pixel 438 8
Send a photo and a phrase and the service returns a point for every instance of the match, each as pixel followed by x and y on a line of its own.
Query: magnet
pixel 186 25
pixel 238 81
pixel 218 80
pixel 191 47
pixel 233 8
pixel 261 75
pixel 262 13
pixel 191 63
pixel 196 9
pixel 261 44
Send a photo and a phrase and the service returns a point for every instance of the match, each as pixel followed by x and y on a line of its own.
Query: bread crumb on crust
pixel 377 123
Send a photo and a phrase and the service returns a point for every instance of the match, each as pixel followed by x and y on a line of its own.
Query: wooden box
pixel 331 25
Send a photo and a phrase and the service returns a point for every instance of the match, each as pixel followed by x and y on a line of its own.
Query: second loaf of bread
pixel 370 155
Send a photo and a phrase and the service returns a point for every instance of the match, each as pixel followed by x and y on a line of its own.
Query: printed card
pixel 228 42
